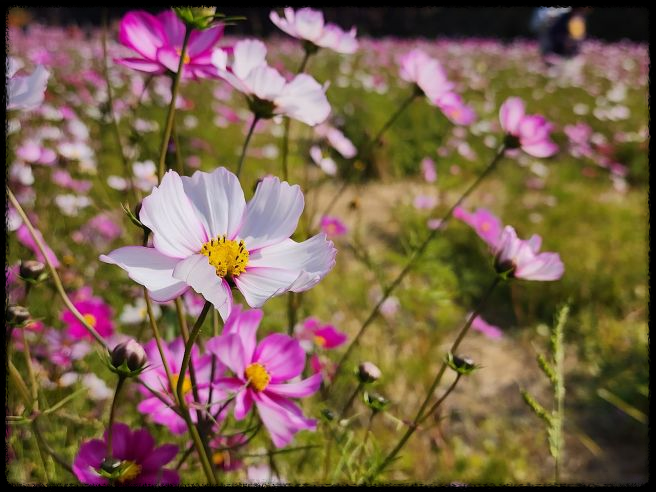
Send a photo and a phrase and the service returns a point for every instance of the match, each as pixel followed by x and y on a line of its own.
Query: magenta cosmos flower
pixel 426 73
pixel 312 333
pixel 530 132
pixel 485 223
pixel 25 92
pixel 267 92
pixel 308 25
pixel 158 43
pixel 156 378
pixel 518 258
pixel 206 237
pixel 260 375
pixel 490 331
pixel 96 312
pixel 332 226
pixel 140 462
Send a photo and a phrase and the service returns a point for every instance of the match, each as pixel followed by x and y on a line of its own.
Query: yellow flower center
pixel 319 340
pixel 228 257
pixel 186 58
pixel 91 320
pixel 129 471
pixel 218 458
pixel 186 385
pixel 485 226
pixel 331 229
pixel 257 376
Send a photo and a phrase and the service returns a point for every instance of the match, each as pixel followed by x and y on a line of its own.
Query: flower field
pixel 322 258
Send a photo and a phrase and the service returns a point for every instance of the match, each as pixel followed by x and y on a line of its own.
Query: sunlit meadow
pixel 322 258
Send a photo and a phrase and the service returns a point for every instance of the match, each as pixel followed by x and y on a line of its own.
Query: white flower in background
pixel 326 164
pixel 25 92
pixel 135 314
pixel 72 204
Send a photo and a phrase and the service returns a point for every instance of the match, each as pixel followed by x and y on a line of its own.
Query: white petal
pixel 305 100
pixel 196 272
pixel 249 54
pixel 258 285
pixel 265 82
pixel 150 268
pixel 218 200
pixel 272 214
pixel 169 213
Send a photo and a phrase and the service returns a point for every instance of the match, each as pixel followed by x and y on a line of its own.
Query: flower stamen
pixel 257 376
pixel 228 257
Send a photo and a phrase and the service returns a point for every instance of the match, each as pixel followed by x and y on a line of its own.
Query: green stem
pixel 420 414
pixel 415 256
pixel 112 413
pixel 437 404
pixel 168 128
pixel 350 401
pixel 53 272
pixel 248 139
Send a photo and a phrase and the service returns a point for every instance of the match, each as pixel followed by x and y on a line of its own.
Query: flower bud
pixel 128 358
pixel 368 373
pixel 17 315
pixel 375 401
pixel 196 17
pixel 463 365
pixel 32 270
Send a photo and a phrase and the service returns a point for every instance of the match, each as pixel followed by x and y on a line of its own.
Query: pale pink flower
pixel 206 237
pixel 309 25
pixel 428 169
pixel 426 72
pixel 518 258
pixel 490 331
pixel 267 91
pixel 25 92
pixel 455 109
pixel 485 223
pixel 332 226
pixel 531 132
pixel 326 164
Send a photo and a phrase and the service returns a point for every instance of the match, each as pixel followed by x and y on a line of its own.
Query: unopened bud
pixel 32 270
pixel 17 315
pixel 461 364
pixel 128 358
pixel 368 373
pixel 375 401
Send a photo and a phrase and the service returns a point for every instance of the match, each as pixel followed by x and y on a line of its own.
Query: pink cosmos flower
pixel 206 237
pixel 63 348
pixel 26 239
pixel 427 73
pixel 490 331
pixel 33 152
pixel 428 169
pixel 313 334
pixel 158 43
pixel 485 223
pixel 25 93
pixel 309 25
pixel 332 226
pixel 267 91
pixel 455 109
pixel 517 258
pixel 337 140
pixel 141 463
pixel 156 378
pixel 532 132
pixel 96 313
pixel 326 164
pixel 260 372
pixel 424 202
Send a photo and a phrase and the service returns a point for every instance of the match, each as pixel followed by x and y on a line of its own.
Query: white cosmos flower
pixel 268 93
pixel 26 93
pixel 205 236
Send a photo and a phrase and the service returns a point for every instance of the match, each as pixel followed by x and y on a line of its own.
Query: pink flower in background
pixel 141 462
pixel 518 258
pixel 533 132
pixel 106 226
pixel 428 169
pixel 204 235
pixel 309 25
pixel 260 372
pixel 158 40
pixel 63 348
pixel 25 92
pixel 485 223
pixel 340 143
pixel 326 164
pixel 424 202
pixel 96 313
pixel 33 152
pixel 426 72
pixel 156 378
pixel 332 226
pixel 26 239
pixel 490 331
pixel 267 91
pixel 62 178
pixel 312 334
pixel 455 109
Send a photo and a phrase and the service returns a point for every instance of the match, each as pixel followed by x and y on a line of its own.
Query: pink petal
pixel 142 32
pixel 230 351
pixel 203 41
pixel 511 113
pixel 142 65
pixel 281 418
pixel 282 356
pixel 301 389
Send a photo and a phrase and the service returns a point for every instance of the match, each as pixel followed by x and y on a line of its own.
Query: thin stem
pixel 178 153
pixel 292 305
pixel 171 112
pixel 437 404
pixel 420 414
pixel 414 257
pixel 53 272
pixel 248 139
pixel 61 461
pixel 112 413
pixel 350 401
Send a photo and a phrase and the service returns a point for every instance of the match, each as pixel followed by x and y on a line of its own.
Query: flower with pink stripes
pixel 205 236
pixel 519 258
pixel 530 132
pixel 261 375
